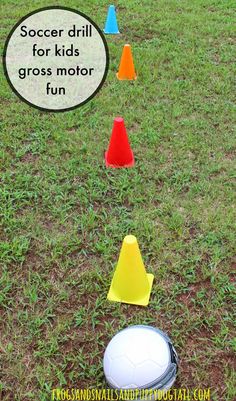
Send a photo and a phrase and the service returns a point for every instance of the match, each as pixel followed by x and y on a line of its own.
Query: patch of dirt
pixel 186 297
pixel 193 231
pixel 48 224
pixel 192 357
pixel 195 357
pixel 139 38
pixel 7 395
pixel 29 158
pixel 213 377
pixel 206 257
pixel 231 155
pixel 134 127
pixel 32 259
pixel 194 288
pixel 72 129
pixel 233 264
pixel 120 8
pixel 130 310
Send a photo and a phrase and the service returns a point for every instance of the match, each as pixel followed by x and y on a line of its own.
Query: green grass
pixel 64 215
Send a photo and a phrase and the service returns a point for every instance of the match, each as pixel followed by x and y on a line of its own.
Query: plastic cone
pixel 126 69
pixel 111 26
pixel 119 153
pixel 130 284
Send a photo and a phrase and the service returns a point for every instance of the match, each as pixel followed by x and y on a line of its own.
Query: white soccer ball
pixel 140 357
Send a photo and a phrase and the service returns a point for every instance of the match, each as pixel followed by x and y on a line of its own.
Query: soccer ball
pixel 140 357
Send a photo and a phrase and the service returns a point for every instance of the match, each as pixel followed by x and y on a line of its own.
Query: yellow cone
pixel 130 284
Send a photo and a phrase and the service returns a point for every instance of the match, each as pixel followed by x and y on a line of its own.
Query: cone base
pixel 131 164
pixel 144 301
pixel 111 33
pixel 126 79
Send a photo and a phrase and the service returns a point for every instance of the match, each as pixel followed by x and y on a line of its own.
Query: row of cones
pixel 130 284
pixel 119 152
pixel 126 68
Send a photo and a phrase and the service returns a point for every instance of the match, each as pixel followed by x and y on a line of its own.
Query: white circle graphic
pixel 56 59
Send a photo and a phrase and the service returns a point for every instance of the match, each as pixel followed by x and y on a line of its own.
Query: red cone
pixel 119 153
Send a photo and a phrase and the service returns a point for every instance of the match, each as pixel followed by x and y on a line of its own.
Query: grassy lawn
pixel 64 215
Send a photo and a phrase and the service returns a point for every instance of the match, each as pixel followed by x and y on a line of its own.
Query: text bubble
pixel 56 59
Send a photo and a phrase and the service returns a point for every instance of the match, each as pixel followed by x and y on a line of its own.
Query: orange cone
pixel 126 69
